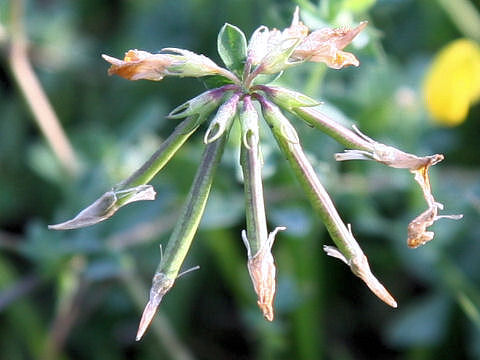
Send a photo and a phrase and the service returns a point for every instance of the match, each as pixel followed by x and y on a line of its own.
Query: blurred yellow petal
pixel 452 82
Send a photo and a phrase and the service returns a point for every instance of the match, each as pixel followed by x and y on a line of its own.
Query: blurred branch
pixel 464 15
pixel 18 290
pixel 10 241
pixel 72 287
pixel 34 94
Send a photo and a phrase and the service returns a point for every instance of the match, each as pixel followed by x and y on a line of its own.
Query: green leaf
pixel 232 48
pixel 212 82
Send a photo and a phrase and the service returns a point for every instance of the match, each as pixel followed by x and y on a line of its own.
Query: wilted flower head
pixel 268 52
pixel 266 45
pixel 275 50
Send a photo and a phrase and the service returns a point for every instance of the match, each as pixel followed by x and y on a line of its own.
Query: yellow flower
pixel 452 82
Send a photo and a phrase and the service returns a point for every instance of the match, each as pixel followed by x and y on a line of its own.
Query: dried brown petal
pixel 417 229
pixel 418 165
pixel 326 45
pixel 262 272
pixel 261 268
pixel 390 156
pixel 138 64
pixel 361 268
pixel 297 29
pixel 161 284
pixel 417 234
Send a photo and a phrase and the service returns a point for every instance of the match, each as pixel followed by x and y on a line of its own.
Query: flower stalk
pixel 348 249
pixel 183 233
pixel 258 242
pixel 133 188
pixel 340 133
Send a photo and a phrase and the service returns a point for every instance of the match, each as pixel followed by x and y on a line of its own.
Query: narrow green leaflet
pixel 232 48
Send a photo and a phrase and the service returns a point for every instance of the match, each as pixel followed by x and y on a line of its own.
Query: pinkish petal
pixel 326 45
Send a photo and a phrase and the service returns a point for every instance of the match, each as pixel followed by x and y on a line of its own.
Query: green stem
pixel 349 250
pixel 182 235
pixel 34 93
pixel 161 157
pixel 185 228
pixel 305 173
pixel 22 317
pixel 339 132
pixel 464 290
pixel 251 163
pixel 133 188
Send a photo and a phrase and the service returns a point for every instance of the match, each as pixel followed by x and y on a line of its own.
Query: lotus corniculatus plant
pixel 249 69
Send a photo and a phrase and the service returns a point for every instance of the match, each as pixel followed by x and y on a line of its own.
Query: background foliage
pixel 79 294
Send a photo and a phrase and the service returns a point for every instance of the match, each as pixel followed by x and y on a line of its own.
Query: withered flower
pixel 269 52
pixel 417 229
pixel 326 45
pixel 418 166
pixel 138 64
pixel 261 268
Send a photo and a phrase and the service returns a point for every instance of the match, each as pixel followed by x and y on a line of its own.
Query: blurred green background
pixel 79 294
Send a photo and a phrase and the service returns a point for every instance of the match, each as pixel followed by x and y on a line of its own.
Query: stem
pixel 339 132
pixel 160 158
pixel 305 173
pixel 348 249
pixel 250 159
pixel 35 96
pixel 133 188
pixel 248 81
pixel 182 235
pixel 229 75
pixel 72 287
